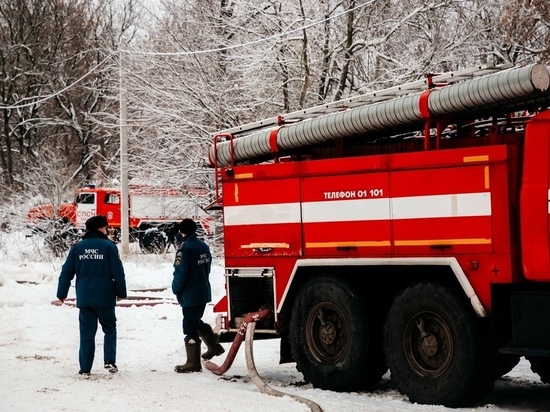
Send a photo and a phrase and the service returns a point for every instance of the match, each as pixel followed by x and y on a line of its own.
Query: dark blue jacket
pixel 191 271
pixel 99 272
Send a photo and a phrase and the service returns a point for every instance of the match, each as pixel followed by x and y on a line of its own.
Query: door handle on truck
pixel 263 249
pixel 441 247
pixel 346 248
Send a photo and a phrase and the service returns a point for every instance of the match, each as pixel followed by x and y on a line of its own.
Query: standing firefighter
pixel 192 288
pixel 100 281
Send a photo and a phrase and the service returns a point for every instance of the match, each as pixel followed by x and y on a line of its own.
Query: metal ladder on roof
pixel 431 80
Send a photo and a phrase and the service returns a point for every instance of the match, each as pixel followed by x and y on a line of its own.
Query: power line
pixel 264 39
pixel 183 53
pixel 51 96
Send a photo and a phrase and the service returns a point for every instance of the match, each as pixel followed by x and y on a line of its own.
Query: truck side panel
pixel 439 203
pixel 346 216
pixel 441 210
pixel 262 215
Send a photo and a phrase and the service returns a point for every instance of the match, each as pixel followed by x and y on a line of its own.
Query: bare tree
pixel 55 79
pixel 526 25
pixel 204 66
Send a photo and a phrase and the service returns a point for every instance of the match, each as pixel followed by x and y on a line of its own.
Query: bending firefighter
pixel 191 285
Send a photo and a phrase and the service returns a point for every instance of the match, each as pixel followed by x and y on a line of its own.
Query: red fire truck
pixel 405 229
pixel 153 212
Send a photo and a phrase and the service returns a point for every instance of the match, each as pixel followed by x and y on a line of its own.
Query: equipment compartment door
pixel 262 215
pixel 346 215
pixel 442 209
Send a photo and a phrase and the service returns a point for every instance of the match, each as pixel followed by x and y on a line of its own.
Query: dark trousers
pixel 192 321
pixel 88 318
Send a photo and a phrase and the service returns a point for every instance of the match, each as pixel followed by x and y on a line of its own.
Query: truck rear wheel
pixel 332 339
pixel 435 348
pixel 153 241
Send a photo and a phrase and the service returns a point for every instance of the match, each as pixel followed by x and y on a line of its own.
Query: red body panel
pixel 66 211
pixel 253 231
pixel 444 203
pixel 337 218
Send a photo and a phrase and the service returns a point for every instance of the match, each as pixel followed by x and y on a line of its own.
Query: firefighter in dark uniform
pixel 191 285
pixel 100 280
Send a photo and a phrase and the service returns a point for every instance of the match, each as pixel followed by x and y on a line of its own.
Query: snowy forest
pixel 188 69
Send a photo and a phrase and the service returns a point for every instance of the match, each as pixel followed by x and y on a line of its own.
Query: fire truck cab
pixel 154 213
pixel 91 201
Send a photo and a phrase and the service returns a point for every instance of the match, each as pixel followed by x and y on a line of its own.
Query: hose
pixel 261 385
pixel 247 328
pixel 239 337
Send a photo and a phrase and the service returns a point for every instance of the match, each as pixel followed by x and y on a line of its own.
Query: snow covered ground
pixel 39 354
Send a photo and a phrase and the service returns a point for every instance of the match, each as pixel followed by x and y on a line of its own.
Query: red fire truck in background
pixel 406 229
pixel 154 213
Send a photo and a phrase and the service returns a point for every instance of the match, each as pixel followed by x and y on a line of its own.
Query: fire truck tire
pixel 435 348
pixel 332 338
pixel 153 241
pixel 541 366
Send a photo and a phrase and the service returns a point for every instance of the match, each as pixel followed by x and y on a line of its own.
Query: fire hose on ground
pixel 247 328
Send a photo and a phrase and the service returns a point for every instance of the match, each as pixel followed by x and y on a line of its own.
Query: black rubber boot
pixel 212 342
pixel 193 363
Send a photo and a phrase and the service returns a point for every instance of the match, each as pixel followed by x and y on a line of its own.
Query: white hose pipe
pixel 249 319
pixel 507 91
pixel 261 385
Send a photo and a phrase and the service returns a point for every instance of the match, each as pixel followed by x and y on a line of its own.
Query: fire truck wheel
pixel 153 241
pixel 332 338
pixel 541 366
pixel 435 348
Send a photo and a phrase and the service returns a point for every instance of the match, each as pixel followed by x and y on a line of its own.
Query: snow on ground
pixel 39 354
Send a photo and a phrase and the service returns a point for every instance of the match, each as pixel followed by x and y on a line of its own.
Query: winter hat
pixel 96 222
pixel 188 226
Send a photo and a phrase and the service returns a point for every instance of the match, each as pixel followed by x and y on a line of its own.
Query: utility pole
pixel 124 216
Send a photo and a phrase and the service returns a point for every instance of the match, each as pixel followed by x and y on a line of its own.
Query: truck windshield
pixel 86 198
